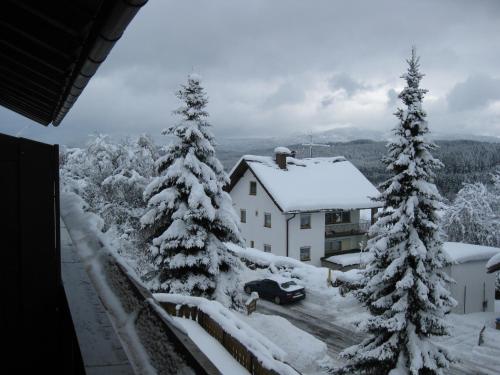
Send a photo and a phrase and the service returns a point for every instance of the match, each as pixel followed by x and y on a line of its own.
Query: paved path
pixel 335 336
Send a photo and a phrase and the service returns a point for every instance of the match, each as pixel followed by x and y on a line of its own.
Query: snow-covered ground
pixel 324 303
pixel 463 342
pixel 303 351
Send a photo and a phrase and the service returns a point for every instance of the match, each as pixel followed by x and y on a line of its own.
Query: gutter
pixel 109 29
pixel 287 221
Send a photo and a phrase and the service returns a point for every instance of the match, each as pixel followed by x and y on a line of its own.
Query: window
pixel 252 244
pixel 243 216
pixel 267 248
pixel 267 220
pixel 253 188
pixel 332 247
pixel 305 221
pixel 305 253
pixel 256 212
pixel 337 217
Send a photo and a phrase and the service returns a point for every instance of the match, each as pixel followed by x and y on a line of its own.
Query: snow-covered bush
pixel 189 215
pixel 404 285
pixel 123 188
pixel 471 217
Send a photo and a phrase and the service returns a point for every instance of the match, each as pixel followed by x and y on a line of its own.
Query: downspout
pixel 287 221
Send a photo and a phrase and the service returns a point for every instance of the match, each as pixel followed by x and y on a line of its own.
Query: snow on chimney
pixel 280 154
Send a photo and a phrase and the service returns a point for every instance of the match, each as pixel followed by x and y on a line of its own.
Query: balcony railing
pixel 346 229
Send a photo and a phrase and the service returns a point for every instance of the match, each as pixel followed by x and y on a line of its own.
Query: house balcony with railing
pixel 346 229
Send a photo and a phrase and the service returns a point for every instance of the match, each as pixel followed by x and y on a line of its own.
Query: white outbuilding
pixel 474 288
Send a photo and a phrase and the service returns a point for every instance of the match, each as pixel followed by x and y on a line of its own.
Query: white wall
pixel 478 285
pixel 314 237
pixel 254 228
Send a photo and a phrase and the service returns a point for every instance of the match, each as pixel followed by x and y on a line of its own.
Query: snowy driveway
pixel 316 318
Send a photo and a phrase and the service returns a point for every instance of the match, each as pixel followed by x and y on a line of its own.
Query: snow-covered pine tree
pixel 404 286
pixel 189 216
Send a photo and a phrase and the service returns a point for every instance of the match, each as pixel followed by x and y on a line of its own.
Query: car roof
pixel 279 279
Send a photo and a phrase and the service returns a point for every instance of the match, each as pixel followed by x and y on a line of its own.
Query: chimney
pixel 280 154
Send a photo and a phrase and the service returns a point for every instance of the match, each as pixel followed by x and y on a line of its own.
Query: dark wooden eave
pixel 49 50
pixel 494 268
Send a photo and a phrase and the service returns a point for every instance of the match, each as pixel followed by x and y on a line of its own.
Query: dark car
pixel 278 290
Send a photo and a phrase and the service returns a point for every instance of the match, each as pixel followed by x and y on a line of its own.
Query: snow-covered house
pixel 474 288
pixel 306 209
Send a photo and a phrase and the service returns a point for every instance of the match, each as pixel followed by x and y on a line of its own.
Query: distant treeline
pixel 465 161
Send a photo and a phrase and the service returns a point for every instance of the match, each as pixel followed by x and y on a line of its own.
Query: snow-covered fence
pixel 252 350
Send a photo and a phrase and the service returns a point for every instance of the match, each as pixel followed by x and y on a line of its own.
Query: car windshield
pixel 288 284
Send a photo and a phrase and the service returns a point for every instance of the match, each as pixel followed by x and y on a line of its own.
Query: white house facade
pixel 306 209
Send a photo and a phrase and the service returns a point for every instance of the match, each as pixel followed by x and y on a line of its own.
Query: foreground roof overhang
pixel 49 50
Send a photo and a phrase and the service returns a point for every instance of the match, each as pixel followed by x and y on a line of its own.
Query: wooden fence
pixel 239 351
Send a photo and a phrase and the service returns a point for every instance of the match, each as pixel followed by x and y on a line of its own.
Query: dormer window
pixel 253 188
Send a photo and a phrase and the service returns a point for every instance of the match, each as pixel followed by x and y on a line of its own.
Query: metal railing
pixel 346 229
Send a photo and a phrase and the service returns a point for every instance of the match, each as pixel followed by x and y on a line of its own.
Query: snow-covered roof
pixel 463 252
pixel 350 259
pixel 458 253
pixel 311 184
pixel 493 264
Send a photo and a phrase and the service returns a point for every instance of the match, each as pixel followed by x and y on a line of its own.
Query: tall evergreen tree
pixel 404 286
pixel 189 216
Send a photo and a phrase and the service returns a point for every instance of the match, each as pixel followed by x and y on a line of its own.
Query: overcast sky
pixel 282 67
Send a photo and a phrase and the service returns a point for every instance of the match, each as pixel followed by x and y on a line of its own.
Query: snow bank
pixel 302 349
pixel 463 252
pixel 267 352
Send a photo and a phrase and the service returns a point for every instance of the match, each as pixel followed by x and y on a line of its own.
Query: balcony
pixel 346 229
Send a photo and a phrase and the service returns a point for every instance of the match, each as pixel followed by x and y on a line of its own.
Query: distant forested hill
pixel 465 161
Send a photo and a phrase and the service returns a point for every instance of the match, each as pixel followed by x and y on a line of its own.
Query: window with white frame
pixel 267 248
pixel 305 221
pixel 243 216
pixel 305 253
pixel 267 220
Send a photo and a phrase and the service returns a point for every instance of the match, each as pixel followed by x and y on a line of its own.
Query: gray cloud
pixel 243 49
pixel 475 92
pixel 347 83
pixel 287 93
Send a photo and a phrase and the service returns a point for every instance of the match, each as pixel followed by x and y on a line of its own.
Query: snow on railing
pixel 341 229
pixel 254 351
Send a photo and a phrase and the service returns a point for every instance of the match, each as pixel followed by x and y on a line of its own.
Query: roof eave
pixel 494 268
pixel 107 33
